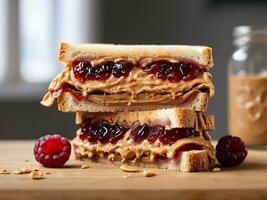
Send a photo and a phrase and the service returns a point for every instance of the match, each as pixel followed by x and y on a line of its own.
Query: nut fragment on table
pixel 216 169
pixel 127 168
pixel 23 170
pixel 4 171
pixel 37 175
pixel 148 173
pixel 85 166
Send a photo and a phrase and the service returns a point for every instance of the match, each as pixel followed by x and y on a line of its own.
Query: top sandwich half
pixel 111 78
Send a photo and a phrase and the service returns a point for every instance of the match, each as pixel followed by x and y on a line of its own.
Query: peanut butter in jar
pixel 248 108
pixel 247 86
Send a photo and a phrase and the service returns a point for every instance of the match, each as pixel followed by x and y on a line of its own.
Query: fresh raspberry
pixel 52 150
pixel 231 151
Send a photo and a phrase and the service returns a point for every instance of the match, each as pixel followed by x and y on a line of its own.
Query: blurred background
pixel 31 30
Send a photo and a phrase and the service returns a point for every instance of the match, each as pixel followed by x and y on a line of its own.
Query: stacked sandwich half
pixel 142 105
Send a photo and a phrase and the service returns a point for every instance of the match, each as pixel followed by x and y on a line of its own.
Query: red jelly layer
pixel 83 70
pixel 166 137
pixel 174 72
pixel 183 70
pixel 107 133
pixel 102 132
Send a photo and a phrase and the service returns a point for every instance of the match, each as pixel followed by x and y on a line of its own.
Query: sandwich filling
pixel 116 81
pixel 174 70
pixel 144 142
pixel 125 150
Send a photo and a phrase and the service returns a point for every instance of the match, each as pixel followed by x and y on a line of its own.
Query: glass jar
pixel 247 85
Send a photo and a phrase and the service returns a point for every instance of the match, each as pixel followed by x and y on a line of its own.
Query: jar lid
pixel 245 34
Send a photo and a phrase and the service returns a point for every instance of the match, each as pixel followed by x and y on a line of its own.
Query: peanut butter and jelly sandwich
pixel 112 78
pixel 173 138
pixel 141 105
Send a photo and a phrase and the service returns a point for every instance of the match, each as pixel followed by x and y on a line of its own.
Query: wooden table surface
pixel 249 181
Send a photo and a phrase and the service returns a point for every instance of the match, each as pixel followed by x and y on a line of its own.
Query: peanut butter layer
pixel 127 150
pixel 138 87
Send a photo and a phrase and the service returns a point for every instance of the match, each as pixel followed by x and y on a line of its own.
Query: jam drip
pixel 69 88
pixel 184 70
pixel 107 133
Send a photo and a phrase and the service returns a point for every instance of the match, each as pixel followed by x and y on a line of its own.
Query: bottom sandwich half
pixel 174 138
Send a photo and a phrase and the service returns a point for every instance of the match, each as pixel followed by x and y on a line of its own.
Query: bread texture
pixel 68 103
pixel 171 117
pixel 199 54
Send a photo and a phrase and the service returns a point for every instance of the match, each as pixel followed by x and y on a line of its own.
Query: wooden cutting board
pixel 249 181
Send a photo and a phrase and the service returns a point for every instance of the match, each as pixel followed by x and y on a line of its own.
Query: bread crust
pixel 172 117
pixel 68 103
pixel 200 54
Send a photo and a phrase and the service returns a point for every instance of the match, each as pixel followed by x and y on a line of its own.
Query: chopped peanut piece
pixel 4 171
pixel 25 170
pixel 216 169
pixel 36 175
pixel 85 166
pixel 127 168
pixel 149 173
pixel 17 171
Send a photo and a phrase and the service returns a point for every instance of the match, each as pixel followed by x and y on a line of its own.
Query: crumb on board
pixel 4 171
pixel 216 169
pixel 27 170
pixel 85 166
pixel 148 173
pixel 36 175
pixel 127 168
pixel 23 170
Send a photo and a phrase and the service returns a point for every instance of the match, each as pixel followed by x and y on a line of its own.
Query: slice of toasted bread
pixel 68 103
pixel 199 54
pixel 172 117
